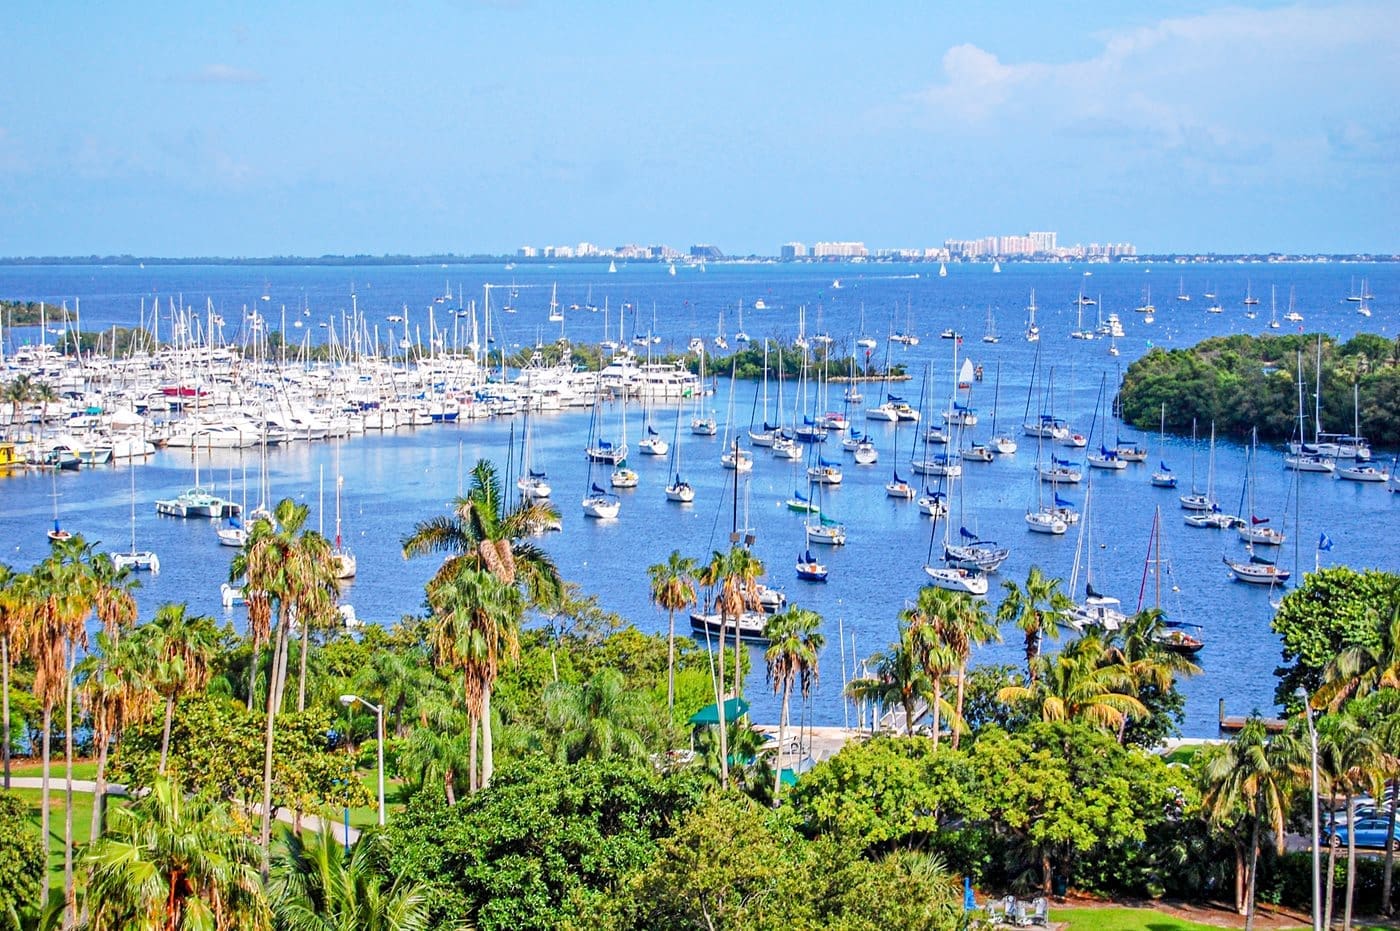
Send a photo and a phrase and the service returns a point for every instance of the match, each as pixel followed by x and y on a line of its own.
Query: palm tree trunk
pixel 1045 872
pixel 718 682
pixel 907 700
pixel 1351 868
pixel 1239 879
pixel 1331 884
pixel 253 674
pixel 670 666
pixel 782 739
pixel 473 780
pixel 70 904
pixel 44 804
pixel 1032 651
pixel 5 698
pixel 301 676
pixel 957 725
pixel 1389 849
pixel 273 699
pixel 937 702
pixel 488 765
pixel 447 788
pixel 1253 873
pixel 99 793
pixel 738 666
pixel 165 733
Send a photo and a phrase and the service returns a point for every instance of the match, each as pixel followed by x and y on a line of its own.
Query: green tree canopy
pixel 1334 610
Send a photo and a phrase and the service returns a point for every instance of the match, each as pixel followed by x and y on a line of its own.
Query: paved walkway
pixel 56 786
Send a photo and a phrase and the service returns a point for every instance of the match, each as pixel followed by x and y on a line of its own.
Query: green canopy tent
pixel 708 716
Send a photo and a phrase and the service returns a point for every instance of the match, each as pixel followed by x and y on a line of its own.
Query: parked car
pixel 1370 832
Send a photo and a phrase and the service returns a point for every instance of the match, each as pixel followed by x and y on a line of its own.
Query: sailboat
pixel 733 457
pixel 1181 294
pixel 702 424
pixel 1257 531
pixel 1196 500
pixel 991 335
pixel 534 483
pixel 1207 512
pixel 622 476
pixel 672 270
pixel 1303 456
pixel 1097 610
pixel 739 335
pixel 897 487
pixel 135 559
pixel 1176 636
pixel 824 529
pixel 1163 477
pixel 57 534
pixel 598 502
pixel 942 269
pixel 1001 443
pixel 996 267
pixel 556 312
pixel 954 578
pixel 1273 308
pixel 612 268
pixel 1294 317
pixel 197 501
pixel 1249 299
pixel 341 555
pixel 679 490
pixel 1032 328
pixel 809 569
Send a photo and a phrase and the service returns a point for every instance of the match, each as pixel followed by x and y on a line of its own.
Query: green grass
pixel 82 825
pixel 82 769
pixel 1123 919
pixel 1136 919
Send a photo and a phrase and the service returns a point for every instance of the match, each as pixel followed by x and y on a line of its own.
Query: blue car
pixel 1370 832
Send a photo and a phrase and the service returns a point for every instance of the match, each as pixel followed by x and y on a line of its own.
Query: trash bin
pixel 1059 885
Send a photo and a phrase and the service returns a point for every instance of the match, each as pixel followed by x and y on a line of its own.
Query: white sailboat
pixel 678 490
pixel 701 422
pixel 623 476
pixel 1256 530
pixel 1163 477
pixel 1032 328
pixel 533 483
pixel 134 558
pixel 342 556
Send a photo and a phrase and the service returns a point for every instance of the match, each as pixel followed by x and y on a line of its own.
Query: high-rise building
pixel 526 252
pixel 705 251
pixel 843 250
pixel 1042 243
pixel 793 250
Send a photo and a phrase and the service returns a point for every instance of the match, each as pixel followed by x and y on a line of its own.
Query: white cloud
pixel 225 74
pixel 1220 80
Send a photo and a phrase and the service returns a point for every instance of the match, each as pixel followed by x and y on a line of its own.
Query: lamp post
pixel 347 701
pixel 1302 694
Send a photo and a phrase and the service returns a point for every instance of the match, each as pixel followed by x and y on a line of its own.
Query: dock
pixel 1234 723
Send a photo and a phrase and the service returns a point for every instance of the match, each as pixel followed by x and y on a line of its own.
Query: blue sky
pixel 308 128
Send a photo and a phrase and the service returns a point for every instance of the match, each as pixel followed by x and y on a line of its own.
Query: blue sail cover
pixel 1165 467
pixel 534 474
pixel 768 427
pixel 966 534
pixel 827 464
pixel 604 444
pixel 597 490
pixel 1063 503
pixel 894 398
pixel 651 431
pixel 799 496
pixel 234 523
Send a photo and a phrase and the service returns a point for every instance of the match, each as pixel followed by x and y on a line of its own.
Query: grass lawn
pixel 1139 919
pixel 82 824
pixel 82 769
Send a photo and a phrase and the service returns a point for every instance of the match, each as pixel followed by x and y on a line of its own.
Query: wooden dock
pixel 1234 723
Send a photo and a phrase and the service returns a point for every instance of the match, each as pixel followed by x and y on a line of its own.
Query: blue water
pixel 396 479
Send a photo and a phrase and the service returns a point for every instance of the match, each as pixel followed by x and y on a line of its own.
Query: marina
pixel 403 427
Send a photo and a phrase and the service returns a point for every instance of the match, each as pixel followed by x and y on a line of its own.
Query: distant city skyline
pixel 314 128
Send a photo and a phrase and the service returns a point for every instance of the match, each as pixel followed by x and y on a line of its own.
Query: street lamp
pixel 347 701
pixel 1302 694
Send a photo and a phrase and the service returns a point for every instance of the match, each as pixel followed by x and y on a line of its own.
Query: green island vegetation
pixel 1243 382
pixel 549 765
pixel 27 313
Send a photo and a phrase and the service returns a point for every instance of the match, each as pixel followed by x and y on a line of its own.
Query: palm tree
pixel 114 693
pixel 476 629
pixel 178 653
pixel 1137 648
pixel 172 862
pixel 794 643
pixel 1036 610
pixel 489 535
pixel 1080 683
pixel 1359 671
pixel 898 679
pixel 437 751
pixel 965 626
pixel 597 720
pixel 1360 756
pixel 17 392
pixel 290 575
pixel 672 590
pixel 1247 779
pixel 318 886
pixel 926 621
pixel 13 612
